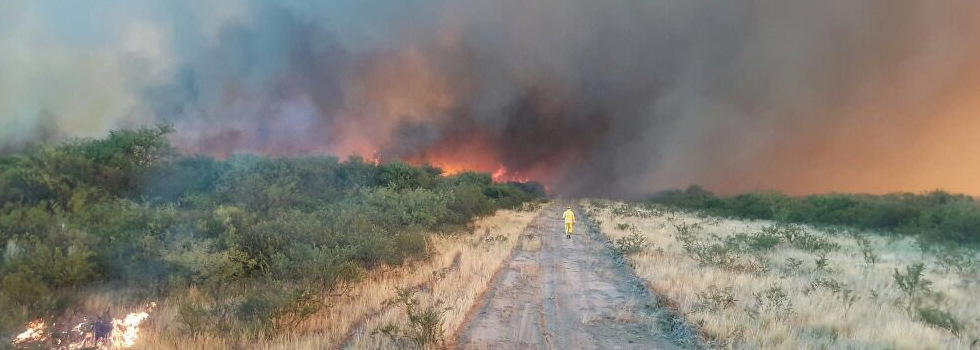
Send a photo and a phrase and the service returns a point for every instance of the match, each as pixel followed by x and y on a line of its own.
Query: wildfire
pixel 34 332
pixel 499 173
pixel 127 330
pixel 117 334
pixel 502 174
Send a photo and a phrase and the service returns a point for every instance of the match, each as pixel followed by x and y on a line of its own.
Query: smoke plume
pixel 591 97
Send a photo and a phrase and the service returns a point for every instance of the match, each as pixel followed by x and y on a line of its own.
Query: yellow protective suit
pixel 569 220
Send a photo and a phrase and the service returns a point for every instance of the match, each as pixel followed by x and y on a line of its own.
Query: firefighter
pixel 569 217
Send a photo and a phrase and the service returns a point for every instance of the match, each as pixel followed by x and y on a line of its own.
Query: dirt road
pixel 569 294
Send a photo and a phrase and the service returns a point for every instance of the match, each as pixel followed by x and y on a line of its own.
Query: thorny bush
pixel 424 329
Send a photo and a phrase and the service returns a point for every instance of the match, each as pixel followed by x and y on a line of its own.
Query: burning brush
pixel 98 333
pixel 35 332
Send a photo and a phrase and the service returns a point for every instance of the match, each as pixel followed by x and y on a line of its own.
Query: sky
pixel 592 98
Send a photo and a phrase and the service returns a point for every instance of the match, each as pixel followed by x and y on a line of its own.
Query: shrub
pixel 822 263
pixel 757 242
pixel 532 188
pixel 529 207
pixel 624 227
pixel 424 329
pixel 913 284
pixel 271 310
pixel 23 287
pixel 128 211
pixel 940 319
pixel 410 244
pixel 600 205
pixel 959 260
pixel 937 217
pixel 715 299
pixel 469 201
pixel 867 251
pixel 711 255
pixel 685 231
pixel 252 312
pixel 260 312
pixel 802 239
pixel 629 210
pixel 841 291
pixel 203 315
pixel 631 244
pixel 508 195
pixel 398 175
pixel 793 265
pixel 773 301
pixel 195 262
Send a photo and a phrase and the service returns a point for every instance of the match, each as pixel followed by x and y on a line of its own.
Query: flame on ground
pixel 126 331
pixel 124 334
pixel 34 332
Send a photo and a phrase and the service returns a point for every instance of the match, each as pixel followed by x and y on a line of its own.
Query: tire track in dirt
pixel 567 294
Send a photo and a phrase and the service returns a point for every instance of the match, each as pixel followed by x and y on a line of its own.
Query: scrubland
pixel 235 252
pixel 757 284
pixel 447 282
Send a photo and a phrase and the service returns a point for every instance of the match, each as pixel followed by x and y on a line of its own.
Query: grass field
pixel 456 273
pixel 758 285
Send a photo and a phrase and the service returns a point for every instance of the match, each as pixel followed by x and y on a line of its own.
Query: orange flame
pixel 34 332
pixel 409 88
pixel 125 333
pixel 127 330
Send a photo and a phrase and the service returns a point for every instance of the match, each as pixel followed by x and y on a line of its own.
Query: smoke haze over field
pixel 591 97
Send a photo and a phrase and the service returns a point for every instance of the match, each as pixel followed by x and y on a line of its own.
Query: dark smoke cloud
pixel 610 98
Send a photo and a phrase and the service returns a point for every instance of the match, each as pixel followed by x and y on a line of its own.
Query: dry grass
pixel 460 289
pixel 815 319
pixel 626 313
pixel 457 273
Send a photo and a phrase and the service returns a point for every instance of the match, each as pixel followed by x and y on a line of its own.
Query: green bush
pixel 715 299
pixel 772 301
pixel 940 319
pixel 802 239
pixel 399 175
pixel 195 262
pixel 469 201
pixel 262 311
pixel 867 251
pixel 712 255
pixel 206 315
pixel 935 216
pixel 271 310
pixel 913 283
pixel 755 242
pixel 127 210
pixel 844 294
pixel 631 244
pixel 424 329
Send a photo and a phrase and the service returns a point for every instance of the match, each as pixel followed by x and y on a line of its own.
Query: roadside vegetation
pixel 765 284
pixel 933 217
pixel 373 313
pixel 244 249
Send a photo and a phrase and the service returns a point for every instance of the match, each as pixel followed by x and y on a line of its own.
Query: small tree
pixel 913 283
pixel 425 325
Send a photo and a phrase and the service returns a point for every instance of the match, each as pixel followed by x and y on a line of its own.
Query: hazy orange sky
pixel 613 98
